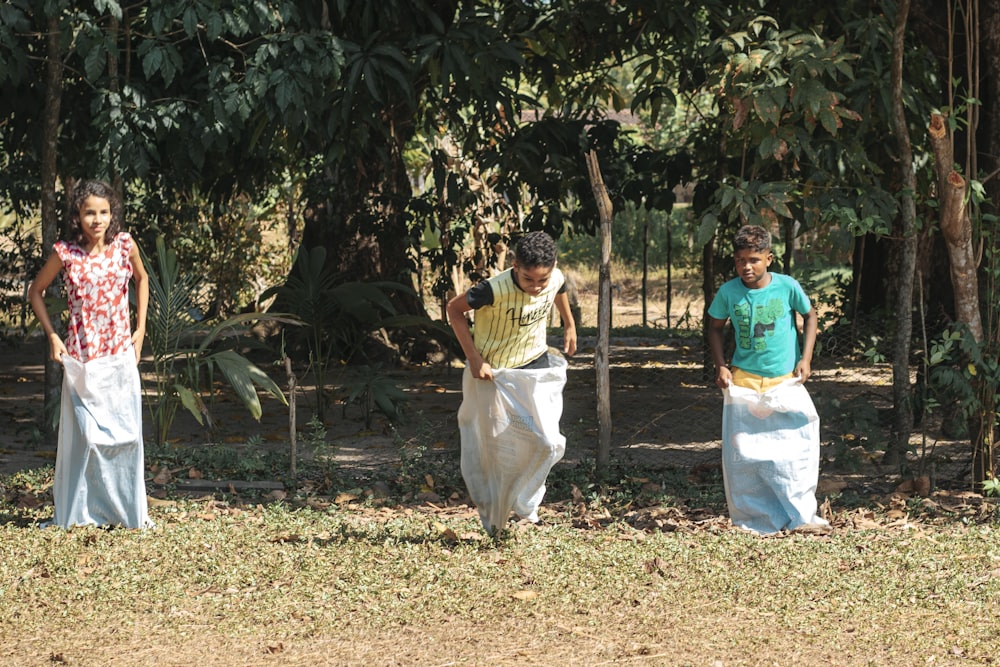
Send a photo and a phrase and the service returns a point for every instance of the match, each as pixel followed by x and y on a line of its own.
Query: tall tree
pixel 903 423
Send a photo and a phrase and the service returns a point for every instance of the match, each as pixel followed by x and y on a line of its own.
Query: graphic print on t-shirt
pixel 527 314
pixel 754 324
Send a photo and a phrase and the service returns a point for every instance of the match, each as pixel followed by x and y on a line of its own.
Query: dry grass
pixel 287 584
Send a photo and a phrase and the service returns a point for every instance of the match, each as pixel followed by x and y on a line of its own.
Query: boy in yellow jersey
pixel 512 384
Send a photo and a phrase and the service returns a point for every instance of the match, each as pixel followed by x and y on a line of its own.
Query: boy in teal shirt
pixel 770 426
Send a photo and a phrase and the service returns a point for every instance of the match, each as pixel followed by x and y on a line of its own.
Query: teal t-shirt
pixel 767 341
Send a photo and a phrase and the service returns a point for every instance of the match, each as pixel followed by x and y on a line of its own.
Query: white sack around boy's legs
pixel 99 478
pixel 510 439
pixel 770 457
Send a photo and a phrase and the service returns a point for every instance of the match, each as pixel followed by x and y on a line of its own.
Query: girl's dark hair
pixel 752 237
pixel 535 249
pixel 79 195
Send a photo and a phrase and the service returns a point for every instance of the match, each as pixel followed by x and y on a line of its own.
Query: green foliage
pixel 629 238
pixel 20 260
pixel 421 468
pixel 954 364
pixel 187 350
pixel 315 440
pixel 859 436
pixel 338 316
pixel 233 244
pixel 375 391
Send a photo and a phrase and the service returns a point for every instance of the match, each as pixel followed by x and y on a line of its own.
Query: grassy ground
pixel 643 571
pixel 314 581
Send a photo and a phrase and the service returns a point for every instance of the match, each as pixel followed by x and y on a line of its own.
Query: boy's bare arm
pixel 723 375
pixel 569 324
pixel 810 326
pixel 456 309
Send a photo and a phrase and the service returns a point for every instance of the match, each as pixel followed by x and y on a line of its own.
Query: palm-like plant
pixel 187 350
pixel 338 315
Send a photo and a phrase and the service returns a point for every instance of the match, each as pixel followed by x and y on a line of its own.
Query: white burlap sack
pixel 99 460
pixel 770 457
pixel 510 439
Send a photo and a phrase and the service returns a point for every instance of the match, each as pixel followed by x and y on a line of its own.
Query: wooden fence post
pixel 601 362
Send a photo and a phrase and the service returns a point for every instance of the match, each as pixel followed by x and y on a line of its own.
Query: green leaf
pixel 243 375
pixel 95 61
pixel 191 401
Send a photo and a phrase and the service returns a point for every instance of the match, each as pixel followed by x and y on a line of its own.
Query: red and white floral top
pixel 97 296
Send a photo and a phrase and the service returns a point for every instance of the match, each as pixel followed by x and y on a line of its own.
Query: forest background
pixel 349 165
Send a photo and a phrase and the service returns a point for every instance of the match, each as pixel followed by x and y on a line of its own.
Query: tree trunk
pixel 985 456
pixel 49 174
pixel 956 228
pixel 901 391
pixel 601 350
pixel 708 294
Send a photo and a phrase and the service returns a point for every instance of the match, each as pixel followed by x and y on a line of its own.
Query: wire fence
pixel 666 410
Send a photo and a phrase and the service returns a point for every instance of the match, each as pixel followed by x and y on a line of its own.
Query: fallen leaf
pixel 655 566
pixel 828 486
pixel 28 501
pixel 286 537
pixel 194 473
pixel 524 595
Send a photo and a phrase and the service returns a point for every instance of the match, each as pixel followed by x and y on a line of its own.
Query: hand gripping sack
pixel 770 457
pixel 510 439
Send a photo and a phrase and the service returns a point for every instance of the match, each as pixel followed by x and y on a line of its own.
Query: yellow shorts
pixel 756 382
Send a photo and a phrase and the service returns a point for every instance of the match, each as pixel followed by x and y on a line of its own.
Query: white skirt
pixel 99 478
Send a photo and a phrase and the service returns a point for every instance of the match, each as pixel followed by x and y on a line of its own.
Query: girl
pixel 99 459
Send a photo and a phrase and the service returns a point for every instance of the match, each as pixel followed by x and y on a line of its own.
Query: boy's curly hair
pixel 79 195
pixel 535 249
pixel 752 237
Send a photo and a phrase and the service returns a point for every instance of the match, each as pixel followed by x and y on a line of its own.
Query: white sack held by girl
pixel 99 462
pixel 510 439
pixel 770 457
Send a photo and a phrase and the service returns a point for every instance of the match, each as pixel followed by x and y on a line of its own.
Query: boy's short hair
pixel 752 237
pixel 535 249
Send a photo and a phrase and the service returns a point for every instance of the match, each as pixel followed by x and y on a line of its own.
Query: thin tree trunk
pixel 956 228
pixel 645 268
pixel 292 428
pixel 901 392
pixel 601 350
pixel 985 455
pixel 49 174
pixel 670 285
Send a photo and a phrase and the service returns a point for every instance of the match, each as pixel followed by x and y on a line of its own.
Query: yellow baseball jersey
pixel 511 332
